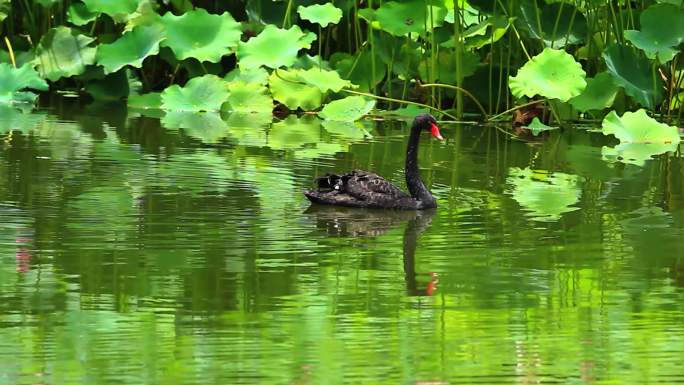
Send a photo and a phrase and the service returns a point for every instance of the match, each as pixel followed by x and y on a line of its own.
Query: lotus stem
pixel 401 101
pixel 11 52
pixel 462 90
pixel 513 109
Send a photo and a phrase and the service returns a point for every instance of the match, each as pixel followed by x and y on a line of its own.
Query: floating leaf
pixel 599 94
pixel 287 88
pixel 558 24
pixel 206 93
pixel 537 127
pixel 248 75
pixel 152 100
pixel 640 137
pixel 249 97
pixel 662 30
pixel 321 14
pixel 545 195
pixel 350 108
pixel 273 47
pixel 552 74
pixel 413 16
pixel 79 14
pixel 15 81
pixel 324 80
pixel 633 72
pixel 130 49
pixel 200 35
pixel 205 126
pixel 119 10
pixel 63 53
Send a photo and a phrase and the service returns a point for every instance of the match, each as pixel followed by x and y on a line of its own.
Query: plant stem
pixel 462 90
pixel 11 52
pixel 512 109
pixel 400 101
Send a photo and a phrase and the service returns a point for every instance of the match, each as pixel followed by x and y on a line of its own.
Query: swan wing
pixel 368 186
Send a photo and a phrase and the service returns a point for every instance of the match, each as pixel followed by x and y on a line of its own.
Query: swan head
pixel 428 123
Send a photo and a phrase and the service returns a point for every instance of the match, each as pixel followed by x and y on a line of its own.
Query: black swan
pixel 366 189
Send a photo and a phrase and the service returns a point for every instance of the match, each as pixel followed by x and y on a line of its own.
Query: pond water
pixel 181 251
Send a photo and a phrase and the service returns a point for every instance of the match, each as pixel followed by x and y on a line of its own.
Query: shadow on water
pixel 354 222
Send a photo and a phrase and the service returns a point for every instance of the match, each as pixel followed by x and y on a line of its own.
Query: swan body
pixel 365 189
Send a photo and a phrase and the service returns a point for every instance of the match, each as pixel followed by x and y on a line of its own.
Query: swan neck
pixel 414 182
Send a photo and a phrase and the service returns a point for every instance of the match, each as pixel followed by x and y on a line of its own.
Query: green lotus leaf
pixel 638 127
pixel 662 30
pixel 347 130
pixel 543 194
pixel 445 66
pixel 294 132
pixel 206 93
pixel 130 49
pixel 404 113
pixel 558 24
pixel 14 119
pixel 273 47
pixel 306 62
pixel 633 72
pixel 413 16
pixel 15 81
pixel 488 31
pixel 4 9
pixel 151 100
pixel 249 97
pixel 324 80
pixel 145 15
pixel 79 14
pixel 348 109
pixel 200 35
pixel 113 87
pixel 248 75
pixel 552 74
pixel 537 127
pixel 287 88
pixel 118 10
pixel 63 53
pixel 599 94
pixel 358 69
pixel 205 126
pixel 321 14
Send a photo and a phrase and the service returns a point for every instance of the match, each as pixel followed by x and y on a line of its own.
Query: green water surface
pixel 181 251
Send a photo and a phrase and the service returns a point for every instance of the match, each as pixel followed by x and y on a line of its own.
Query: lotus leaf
pixel 489 31
pixel 445 66
pixel 79 14
pixel 321 14
pixel 294 132
pixel 206 93
pixel 306 62
pixel 552 74
pixel 638 127
pixel 152 100
pixel 662 30
pixel 558 25
pixel 599 94
pixel 130 49
pixel 248 75
pixel 205 126
pixel 287 88
pixel 63 53
pixel 13 82
pixel 249 97
pixel 324 80
pixel 347 130
pixel 633 72
pixel 13 119
pixel 413 16
pixel 200 35
pixel 273 47
pixel 545 195
pixel 113 87
pixel 358 70
pixel 537 127
pixel 119 10
pixel 4 9
pixel 350 108
pixel 145 15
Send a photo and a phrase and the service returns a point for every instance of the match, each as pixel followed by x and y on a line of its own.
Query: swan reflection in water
pixel 354 222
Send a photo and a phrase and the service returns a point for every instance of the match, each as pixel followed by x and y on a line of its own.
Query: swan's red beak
pixel 435 131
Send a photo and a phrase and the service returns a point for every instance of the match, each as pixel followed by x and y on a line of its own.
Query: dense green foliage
pixel 581 58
